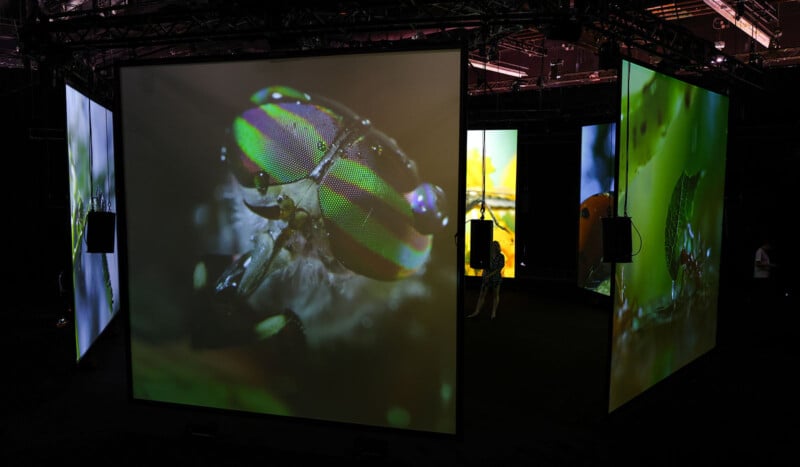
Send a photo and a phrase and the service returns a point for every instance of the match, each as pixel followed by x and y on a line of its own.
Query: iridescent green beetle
pixel 339 174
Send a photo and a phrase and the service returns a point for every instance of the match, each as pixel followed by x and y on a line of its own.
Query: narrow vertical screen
pixel 95 276
pixel 596 202
pixel 673 141
pixel 290 230
pixel 492 185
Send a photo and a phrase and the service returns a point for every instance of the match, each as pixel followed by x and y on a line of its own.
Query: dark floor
pixel 532 394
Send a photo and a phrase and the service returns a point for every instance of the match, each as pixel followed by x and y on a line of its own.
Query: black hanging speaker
pixel 616 239
pixel 480 244
pixel 100 232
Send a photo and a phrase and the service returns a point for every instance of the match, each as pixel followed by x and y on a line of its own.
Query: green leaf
pixel 652 110
pixel 678 220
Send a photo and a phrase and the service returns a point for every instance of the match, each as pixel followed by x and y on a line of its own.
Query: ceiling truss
pixel 85 38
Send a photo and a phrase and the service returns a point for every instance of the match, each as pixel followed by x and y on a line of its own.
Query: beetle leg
pixel 260 259
pixel 230 279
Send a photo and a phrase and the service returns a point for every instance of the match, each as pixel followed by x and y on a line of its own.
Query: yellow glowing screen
pixel 492 185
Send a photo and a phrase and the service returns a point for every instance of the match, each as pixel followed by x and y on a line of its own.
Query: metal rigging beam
pixel 675 46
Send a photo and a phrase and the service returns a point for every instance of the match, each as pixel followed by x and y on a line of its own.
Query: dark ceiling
pixel 546 43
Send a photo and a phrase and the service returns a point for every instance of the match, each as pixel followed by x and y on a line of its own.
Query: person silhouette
pixel 763 281
pixel 65 298
pixel 492 278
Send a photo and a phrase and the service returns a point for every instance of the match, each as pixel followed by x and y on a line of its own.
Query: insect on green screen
pixel 671 181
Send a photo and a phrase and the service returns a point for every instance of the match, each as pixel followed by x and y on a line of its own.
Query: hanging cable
pixel 483 174
pixel 92 200
pixel 483 142
pixel 107 206
pixel 627 138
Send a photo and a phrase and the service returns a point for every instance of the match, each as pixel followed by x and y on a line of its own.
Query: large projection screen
pixel 95 276
pixel 672 153
pixel 290 228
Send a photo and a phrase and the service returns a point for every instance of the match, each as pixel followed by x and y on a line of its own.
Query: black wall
pixel 36 186
pixel 762 178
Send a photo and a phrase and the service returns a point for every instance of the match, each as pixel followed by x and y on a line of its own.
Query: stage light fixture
pixel 488 66
pixel 733 15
